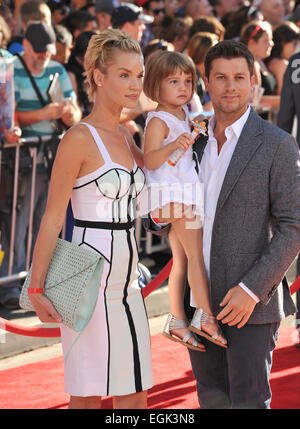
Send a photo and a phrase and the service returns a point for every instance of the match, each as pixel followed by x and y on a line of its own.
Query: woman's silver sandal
pixel 174 323
pixel 201 318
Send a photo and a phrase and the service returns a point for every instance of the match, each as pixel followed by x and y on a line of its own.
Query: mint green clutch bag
pixel 72 284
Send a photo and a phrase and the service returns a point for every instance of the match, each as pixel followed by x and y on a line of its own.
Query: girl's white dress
pixel 178 184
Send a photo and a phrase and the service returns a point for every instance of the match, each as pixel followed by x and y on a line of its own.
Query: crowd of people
pixel 197 45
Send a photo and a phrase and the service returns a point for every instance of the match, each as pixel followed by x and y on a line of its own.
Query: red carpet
pixel 40 385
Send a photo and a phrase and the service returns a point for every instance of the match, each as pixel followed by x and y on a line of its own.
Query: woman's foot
pixel 206 325
pixel 177 330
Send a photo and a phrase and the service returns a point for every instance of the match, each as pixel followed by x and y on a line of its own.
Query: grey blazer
pixel 256 232
pixel 290 97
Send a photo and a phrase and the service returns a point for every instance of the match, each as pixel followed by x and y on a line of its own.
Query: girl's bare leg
pixel 177 279
pixel 133 401
pixel 173 213
pixel 190 238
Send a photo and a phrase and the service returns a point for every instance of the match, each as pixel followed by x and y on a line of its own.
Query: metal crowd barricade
pixel 152 243
pixel 161 243
pixel 33 143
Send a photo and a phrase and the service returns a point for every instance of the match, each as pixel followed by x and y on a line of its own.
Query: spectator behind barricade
pixel 235 21
pixel 89 7
pixel 221 7
pixel 104 10
pixel 64 44
pixel 59 10
pixel 75 69
pixel 288 6
pixel 12 134
pixel 197 49
pixel 82 5
pixel 6 13
pixel 35 119
pixel 20 10
pixel 208 24
pixel 272 10
pixel 32 10
pixel 79 21
pixel 197 8
pixel 258 37
pixel 296 16
pixel 172 7
pixel 5 34
pixel 157 45
pixel 286 37
pixel 155 8
pixel 131 19
pixel 288 112
pixel 176 31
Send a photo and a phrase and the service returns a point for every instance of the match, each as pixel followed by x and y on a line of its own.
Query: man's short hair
pixel 129 12
pixel 77 20
pixel 228 49
pixel 32 11
pixel 63 35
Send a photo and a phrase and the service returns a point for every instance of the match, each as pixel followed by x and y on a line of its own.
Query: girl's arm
pixel 69 158
pixel 154 153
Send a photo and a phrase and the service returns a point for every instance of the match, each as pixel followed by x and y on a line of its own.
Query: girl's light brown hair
pixel 100 53
pixel 161 65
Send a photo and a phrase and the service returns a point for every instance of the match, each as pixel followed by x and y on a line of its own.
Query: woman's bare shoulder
pixel 76 138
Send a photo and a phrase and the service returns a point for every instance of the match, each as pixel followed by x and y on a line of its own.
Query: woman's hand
pixel 44 308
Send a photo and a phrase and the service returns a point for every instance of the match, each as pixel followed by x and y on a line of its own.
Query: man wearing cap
pixel 35 119
pixel 104 10
pixel 130 18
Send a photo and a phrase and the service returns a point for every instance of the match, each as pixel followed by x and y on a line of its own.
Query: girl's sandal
pixel 201 318
pixel 173 323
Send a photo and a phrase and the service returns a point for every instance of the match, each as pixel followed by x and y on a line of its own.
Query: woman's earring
pixel 99 84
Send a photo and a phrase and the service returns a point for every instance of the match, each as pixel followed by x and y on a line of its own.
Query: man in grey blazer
pixel 251 235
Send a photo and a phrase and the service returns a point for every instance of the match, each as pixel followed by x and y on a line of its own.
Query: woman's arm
pixel 69 158
pixel 155 154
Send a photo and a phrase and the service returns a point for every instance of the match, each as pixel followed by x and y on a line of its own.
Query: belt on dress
pixel 103 225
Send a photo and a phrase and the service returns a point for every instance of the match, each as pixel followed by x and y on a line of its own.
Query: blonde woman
pixel 99 167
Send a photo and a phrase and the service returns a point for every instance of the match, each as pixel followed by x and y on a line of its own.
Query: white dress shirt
pixel 213 167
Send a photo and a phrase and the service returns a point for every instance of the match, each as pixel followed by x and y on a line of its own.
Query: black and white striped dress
pixel 113 355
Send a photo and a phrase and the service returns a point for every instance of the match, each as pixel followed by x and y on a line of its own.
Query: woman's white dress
pixel 112 356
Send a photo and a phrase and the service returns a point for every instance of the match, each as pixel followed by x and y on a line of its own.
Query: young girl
pixel 175 194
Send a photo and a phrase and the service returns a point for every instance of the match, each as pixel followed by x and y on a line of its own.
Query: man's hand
pixel 71 112
pixel 12 135
pixel 238 307
pixel 52 111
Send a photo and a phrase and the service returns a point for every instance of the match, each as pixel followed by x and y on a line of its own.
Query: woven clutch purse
pixel 72 284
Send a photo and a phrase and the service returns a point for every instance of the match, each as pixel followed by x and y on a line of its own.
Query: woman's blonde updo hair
pixel 100 53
